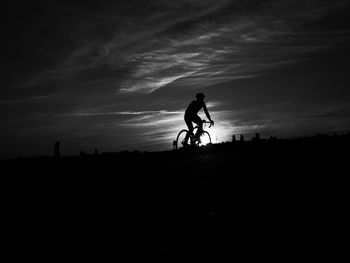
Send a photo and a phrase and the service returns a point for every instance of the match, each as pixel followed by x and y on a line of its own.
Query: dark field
pixel 266 201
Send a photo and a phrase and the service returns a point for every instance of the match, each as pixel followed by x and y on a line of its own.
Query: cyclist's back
pixel 194 107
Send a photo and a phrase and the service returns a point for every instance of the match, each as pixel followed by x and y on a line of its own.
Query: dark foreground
pixel 244 204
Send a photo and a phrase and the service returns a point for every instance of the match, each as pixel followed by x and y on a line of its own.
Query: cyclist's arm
pixel 206 112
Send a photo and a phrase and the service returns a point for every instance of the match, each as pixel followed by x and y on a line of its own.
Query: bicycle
pixel 202 140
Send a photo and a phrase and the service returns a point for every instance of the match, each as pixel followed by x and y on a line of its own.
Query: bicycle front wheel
pixel 204 139
pixel 181 138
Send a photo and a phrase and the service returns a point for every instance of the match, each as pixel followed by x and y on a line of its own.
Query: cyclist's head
pixel 200 96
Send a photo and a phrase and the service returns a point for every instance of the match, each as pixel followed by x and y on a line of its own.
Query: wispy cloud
pixel 149 85
pixel 196 43
pixel 30 99
pixel 239 46
pixel 91 114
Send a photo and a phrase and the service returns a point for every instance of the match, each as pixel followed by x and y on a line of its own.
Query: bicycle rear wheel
pixel 181 138
pixel 204 139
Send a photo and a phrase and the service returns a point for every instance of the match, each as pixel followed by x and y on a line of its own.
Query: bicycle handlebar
pixel 204 121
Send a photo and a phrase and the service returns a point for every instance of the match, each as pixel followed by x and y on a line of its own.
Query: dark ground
pixel 282 201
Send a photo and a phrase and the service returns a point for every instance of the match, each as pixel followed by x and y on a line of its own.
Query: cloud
pixel 152 85
pixel 238 47
pixel 30 99
pixel 142 47
pixel 89 114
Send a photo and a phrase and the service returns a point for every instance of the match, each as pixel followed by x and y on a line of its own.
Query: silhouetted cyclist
pixel 191 115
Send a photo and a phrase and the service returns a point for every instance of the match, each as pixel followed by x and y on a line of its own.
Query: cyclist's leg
pixel 190 128
pixel 197 120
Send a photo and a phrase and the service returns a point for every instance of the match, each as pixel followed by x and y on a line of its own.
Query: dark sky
pixel 118 75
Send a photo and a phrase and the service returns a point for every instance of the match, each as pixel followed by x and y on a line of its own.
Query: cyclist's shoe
pixel 193 142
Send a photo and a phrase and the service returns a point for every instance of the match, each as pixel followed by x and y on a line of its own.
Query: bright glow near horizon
pixel 158 129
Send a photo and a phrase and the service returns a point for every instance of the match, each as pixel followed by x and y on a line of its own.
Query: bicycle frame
pixel 203 130
pixel 195 142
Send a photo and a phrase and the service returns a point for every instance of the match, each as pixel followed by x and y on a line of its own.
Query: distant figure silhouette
pixel 241 138
pixel 191 115
pixel 57 153
pixel 233 138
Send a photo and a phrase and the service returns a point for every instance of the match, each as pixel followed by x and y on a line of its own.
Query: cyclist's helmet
pixel 200 96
